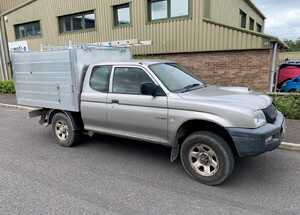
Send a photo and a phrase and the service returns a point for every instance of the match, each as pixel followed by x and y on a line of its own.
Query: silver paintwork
pixel 157 119
pixel 56 80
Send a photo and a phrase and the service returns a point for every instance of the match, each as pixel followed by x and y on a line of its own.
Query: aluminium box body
pixel 53 79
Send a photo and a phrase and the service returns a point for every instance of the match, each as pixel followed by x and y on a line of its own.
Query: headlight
pixel 259 118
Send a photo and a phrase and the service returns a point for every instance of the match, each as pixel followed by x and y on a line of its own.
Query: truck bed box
pixel 53 79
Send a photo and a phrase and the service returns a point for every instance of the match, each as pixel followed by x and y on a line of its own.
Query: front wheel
pixel 207 158
pixel 64 130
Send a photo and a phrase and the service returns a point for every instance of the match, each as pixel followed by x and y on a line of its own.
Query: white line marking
pixel 290 146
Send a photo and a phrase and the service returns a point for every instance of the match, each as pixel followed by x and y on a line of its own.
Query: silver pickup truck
pixel 154 101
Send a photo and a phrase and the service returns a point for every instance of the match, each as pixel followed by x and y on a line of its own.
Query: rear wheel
pixel 207 158
pixel 293 91
pixel 64 130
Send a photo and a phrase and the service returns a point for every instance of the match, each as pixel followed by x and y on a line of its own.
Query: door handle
pixel 115 101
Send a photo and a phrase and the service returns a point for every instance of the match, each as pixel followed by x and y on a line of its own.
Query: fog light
pixel 268 140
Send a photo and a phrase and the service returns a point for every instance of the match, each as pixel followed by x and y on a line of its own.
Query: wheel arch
pixel 190 126
pixel 74 117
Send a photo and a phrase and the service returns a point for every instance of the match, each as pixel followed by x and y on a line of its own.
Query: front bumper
pixel 251 142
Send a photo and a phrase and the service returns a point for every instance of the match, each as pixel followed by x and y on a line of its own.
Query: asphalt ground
pixel 106 175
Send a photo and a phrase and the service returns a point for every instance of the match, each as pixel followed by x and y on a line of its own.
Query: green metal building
pixel 170 26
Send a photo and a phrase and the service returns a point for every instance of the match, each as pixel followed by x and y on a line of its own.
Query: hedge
pixel 288 104
pixel 7 87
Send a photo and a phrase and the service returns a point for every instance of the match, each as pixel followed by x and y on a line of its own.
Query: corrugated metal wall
pixel 228 13
pixel 9 4
pixel 171 36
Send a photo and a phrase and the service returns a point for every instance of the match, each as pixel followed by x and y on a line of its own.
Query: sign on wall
pixel 18 46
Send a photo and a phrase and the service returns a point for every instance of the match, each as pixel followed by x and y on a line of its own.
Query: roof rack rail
pixel 124 44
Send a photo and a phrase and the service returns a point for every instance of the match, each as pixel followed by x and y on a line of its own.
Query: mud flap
pixel 175 152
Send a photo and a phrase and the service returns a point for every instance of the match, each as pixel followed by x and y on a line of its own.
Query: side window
pixel 99 80
pixel 128 80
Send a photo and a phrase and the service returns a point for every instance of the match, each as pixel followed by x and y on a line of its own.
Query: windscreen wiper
pixel 189 87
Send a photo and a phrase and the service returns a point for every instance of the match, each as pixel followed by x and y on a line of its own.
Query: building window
pixel 122 14
pixel 243 17
pixel 166 9
pixel 77 22
pixel 258 27
pixel 30 29
pixel 251 24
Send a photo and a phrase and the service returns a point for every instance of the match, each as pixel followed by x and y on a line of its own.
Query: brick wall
pixel 250 68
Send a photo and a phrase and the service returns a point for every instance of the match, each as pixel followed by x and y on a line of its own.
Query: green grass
pixel 7 87
pixel 288 104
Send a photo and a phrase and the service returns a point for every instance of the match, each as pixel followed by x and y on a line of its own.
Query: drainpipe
pixel 2 55
pixel 8 64
pixel 273 68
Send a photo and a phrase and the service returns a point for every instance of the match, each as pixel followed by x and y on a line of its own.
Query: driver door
pixel 132 114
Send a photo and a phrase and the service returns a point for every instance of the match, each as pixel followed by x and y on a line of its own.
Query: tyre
pixel 293 91
pixel 64 130
pixel 207 158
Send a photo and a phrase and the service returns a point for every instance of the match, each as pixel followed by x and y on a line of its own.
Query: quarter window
pixel 31 29
pixel 99 80
pixel 77 22
pixel 166 9
pixel 122 14
pixel 243 17
pixel 129 80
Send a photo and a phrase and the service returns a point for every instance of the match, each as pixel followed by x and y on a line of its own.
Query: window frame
pixel 28 37
pixel 109 77
pixel 128 66
pixel 115 14
pixel 251 21
pixel 83 13
pixel 241 19
pixel 169 17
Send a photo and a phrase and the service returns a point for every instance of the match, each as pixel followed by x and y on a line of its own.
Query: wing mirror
pixel 151 89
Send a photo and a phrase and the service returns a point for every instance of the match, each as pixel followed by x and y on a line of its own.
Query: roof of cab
pixel 135 62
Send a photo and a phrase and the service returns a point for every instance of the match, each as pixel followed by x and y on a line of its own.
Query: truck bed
pixel 53 79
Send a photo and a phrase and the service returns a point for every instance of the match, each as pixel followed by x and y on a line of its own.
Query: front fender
pixel 178 117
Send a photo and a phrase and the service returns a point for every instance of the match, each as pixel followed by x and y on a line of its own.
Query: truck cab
pixel 160 102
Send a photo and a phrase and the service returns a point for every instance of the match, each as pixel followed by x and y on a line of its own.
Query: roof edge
pixel 17 7
pixel 270 37
pixel 251 4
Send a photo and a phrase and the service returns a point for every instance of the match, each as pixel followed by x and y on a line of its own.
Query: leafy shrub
pixel 7 87
pixel 288 104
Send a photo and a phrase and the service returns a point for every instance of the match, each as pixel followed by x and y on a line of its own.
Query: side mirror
pixel 151 89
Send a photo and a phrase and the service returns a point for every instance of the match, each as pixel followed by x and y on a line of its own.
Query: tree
pixel 294 46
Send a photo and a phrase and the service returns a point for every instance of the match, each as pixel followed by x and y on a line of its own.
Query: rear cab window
pixel 100 77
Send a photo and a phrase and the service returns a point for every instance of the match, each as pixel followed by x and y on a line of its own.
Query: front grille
pixel 270 113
